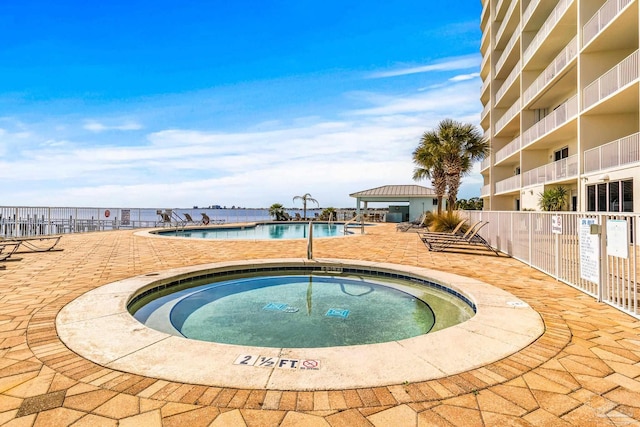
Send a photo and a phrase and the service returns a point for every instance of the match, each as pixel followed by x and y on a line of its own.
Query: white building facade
pixel 561 103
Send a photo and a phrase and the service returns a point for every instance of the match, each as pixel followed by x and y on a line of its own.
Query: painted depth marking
pixel 276 362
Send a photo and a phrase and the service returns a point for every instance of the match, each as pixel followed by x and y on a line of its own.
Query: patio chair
pixel 7 249
pixel 470 238
pixel 205 218
pixel 189 220
pixel 417 223
pixel 35 244
pixel 456 230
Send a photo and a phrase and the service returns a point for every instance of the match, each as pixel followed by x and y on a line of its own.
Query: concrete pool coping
pixel 98 327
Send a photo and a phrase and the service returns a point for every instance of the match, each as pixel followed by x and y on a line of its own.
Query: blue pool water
pixel 300 311
pixel 293 230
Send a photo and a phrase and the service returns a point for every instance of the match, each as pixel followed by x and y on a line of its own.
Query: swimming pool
pixel 275 309
pixel 277 231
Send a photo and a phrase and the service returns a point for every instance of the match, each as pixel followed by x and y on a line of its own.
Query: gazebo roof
pixel 392 192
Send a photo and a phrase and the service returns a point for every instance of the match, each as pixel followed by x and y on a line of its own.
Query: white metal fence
pixel 556 244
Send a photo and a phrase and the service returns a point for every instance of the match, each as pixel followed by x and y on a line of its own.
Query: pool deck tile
pixel 584 370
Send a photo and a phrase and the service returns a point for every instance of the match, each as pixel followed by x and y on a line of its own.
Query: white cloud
pixel 449 64
pixel 463 77
pixel 95 126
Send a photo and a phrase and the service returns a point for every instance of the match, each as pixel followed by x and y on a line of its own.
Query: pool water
pixel 296 230
pixel 302 311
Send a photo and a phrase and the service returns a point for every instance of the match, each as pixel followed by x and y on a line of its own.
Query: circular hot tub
pixel 99 326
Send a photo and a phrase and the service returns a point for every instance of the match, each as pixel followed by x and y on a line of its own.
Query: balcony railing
pixel 611 81
pixel 485 190
pixel 562 169
pixel 529 11
pixel 485 111
pixel 508 48
pixel 508 82
pixel 621 152
pixel 549 24
pixel 485 163
pixel 560 61
pixel 485 84
pixel 506 20
pixel 508 116
pixel 560 116
pixel 508 184
pixel 603 16
pixel 509 149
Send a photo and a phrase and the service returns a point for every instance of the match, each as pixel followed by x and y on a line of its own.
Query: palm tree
pixel 454 146
pixel 553 199
pixel 306 198
pixel 429 167
pixel 276 210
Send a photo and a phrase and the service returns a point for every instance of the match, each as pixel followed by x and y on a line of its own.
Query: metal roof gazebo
pixel 420 199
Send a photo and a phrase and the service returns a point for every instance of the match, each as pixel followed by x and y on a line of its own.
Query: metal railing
pixel 528 12
pixel 505 21
pixel 607 13
pixel 620 152
pixel 508 48
pixel 549 24
pixel 560 116
pixel 509 184
pixel 509 115
pixel 509 149
pixel 562 246
pixel 515 73
pixel 561 169
pixel 560 61
pixel 613 80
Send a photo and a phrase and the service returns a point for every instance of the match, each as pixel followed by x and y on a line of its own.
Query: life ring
pixel 107 213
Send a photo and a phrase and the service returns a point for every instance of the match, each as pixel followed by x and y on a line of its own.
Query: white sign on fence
pixel 556 224
pixel 617 244
pixel 589 251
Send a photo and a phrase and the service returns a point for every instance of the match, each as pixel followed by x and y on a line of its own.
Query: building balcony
pixel 508 116
pixel 621 152
pixel 552 71
pixel 508 185
pixel 485 191
pixel 509 149
pixel 509 51
pixel 507 24
pixel 529 11
pixel 508 83
pixel 484 15
pixel 546 29
pixel 559 117
pixel 485 163
pixel 607 13
pixel 612 81
pixel 552 172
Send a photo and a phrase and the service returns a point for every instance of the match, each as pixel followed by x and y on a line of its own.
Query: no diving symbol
pixel 310 365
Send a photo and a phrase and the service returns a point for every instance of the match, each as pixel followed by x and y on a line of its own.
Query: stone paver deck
pixel 584 370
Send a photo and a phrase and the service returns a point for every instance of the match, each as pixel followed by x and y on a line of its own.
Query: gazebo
pixel 415 200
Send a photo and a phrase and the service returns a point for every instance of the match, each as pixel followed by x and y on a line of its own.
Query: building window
pixel 615 196
pixel 561 154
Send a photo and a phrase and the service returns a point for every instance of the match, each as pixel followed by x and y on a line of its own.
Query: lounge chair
pixel 470 238
pixel 189 220
pixel 205 218
pixel 35 244
pixel 7 249
pixel 456 230
pixel 418 223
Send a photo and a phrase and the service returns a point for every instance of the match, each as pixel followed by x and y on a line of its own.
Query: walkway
pixel 584 370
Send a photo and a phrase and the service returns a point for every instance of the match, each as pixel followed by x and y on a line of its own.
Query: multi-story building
pixel 561 103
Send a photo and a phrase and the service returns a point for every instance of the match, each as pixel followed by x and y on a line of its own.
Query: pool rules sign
pixel 589 249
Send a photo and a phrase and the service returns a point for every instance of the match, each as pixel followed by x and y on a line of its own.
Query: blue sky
pixel 246 103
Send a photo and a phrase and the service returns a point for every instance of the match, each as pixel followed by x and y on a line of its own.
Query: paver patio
pixel 584 370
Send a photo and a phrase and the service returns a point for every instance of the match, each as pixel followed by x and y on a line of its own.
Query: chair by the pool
pixel 417 223
pixel 470 238
pixel 189 220
pixel 456 230
pixel 205 218
pixel 36 243
pixel 7 249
